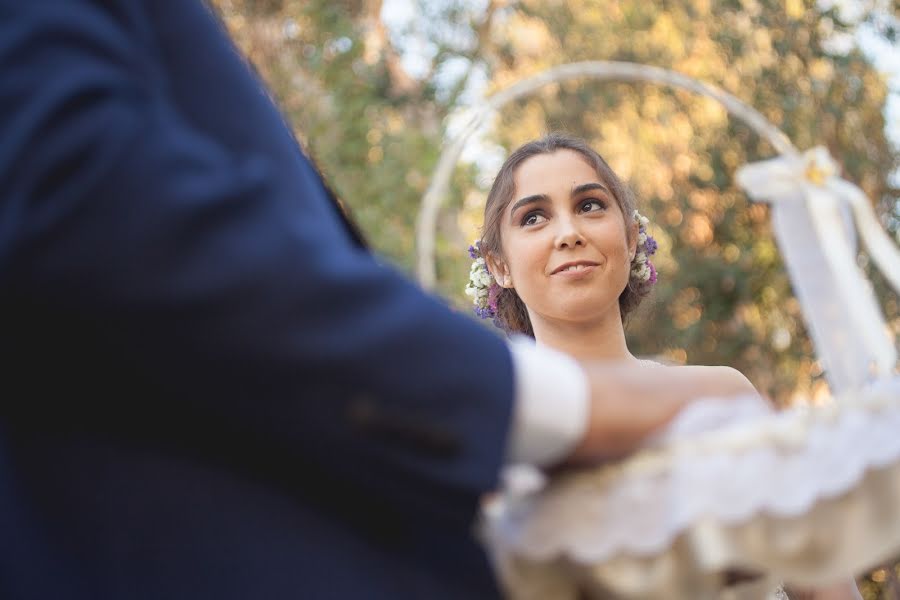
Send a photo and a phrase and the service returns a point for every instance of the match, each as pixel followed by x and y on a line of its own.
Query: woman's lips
pixel 575 270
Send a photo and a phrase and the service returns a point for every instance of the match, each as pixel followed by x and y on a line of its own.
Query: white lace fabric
pixel 807 496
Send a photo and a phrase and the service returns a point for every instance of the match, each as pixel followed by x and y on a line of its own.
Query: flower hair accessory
pixel 641 268
pixel 481 287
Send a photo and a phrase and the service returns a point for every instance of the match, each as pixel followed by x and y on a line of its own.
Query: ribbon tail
pixel 855 291
pixel 880 247
pixel 834 335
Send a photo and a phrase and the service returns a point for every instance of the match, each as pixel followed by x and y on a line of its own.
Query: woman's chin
pixel 586 313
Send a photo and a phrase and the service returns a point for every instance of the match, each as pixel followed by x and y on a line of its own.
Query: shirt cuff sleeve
pixel 551 404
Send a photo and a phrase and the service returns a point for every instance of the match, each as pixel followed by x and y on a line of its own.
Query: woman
pixel 565 257
pixel 567 252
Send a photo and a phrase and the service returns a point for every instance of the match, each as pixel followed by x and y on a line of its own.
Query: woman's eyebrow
pixel 528 200
pixel 585 187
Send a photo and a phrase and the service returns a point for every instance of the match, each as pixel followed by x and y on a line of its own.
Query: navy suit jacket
pixel 209 389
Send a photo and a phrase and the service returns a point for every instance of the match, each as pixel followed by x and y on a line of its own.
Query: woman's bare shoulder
pixel 729 375
pixel 721 373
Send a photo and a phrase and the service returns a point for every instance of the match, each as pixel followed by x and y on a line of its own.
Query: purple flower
pixel 493 296
pixel 652 279
pixel 650 246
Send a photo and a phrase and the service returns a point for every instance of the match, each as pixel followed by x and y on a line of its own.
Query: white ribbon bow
pixel 809 202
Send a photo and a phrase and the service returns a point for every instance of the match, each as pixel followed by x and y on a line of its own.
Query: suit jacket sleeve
pixel 222 277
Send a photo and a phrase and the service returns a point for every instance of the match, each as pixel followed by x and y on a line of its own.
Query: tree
pixel 374 128
pixel 724 295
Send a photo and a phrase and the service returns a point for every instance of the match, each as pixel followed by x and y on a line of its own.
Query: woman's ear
pixel 633 234
pixel 499 270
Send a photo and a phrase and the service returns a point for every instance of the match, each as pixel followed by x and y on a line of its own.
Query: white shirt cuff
pixel 551 407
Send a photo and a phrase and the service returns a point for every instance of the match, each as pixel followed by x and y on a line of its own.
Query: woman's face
pixel 566 250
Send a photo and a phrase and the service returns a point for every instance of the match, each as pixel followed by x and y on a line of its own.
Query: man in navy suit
pixel 211 389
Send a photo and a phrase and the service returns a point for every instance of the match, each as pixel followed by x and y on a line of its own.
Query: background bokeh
pixel 373 88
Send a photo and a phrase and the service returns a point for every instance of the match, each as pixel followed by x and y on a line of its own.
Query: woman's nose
pixel 568 235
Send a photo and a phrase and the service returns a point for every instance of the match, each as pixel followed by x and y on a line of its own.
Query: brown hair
pixel 511 311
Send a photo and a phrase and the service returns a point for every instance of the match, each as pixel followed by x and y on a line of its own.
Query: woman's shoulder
pixel 725 372
pixel 728 375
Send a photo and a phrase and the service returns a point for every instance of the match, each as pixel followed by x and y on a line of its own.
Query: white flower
pixel 641 272
pixel 641 219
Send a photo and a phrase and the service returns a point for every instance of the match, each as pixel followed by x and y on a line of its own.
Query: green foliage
pixel 724 296
pixel 372 128
pixel 376 132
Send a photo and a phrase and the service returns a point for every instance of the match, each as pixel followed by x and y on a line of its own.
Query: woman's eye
pixel 533 219
pixel 593 205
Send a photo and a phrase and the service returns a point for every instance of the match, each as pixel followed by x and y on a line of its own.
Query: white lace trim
pixel 721 464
